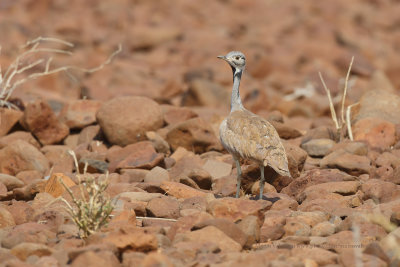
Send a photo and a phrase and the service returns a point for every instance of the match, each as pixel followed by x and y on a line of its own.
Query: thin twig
pixel 157 219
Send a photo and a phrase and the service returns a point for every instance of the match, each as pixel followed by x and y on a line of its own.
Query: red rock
pixel 156 259
pixel 149 37
pixel 41 121
pixel 351 258
pixel 8 118
pixel 144 115
pixel 26 249
pixel 320 256
pixel 380 104
pixel 238 208
pixel 92 259
pixel 22 156
pixel 217 169
pixel 195 135
pixel 158 142
pixel 376 132
pixel 313 177
pixel 210 234
pixel 342 188
pixel 185 224
pixel 79 113
pixel 28 177
pixel 173 115
pixel 380 191
pixel 229 228
pixel 10 182
pixel 132 175
pixel 88 134
pixel 323 229
pixel 352 164
pixel 138 155
pixel 28 232
pixel 201 177
pixel 59 158
pixel 157 174
pixel 21 211
pixel 285 131
pixel 54 186
pixel 296 159
pixel 6 219
pixel 26 136
pixel 164 207
pixel 132 238
pixel 179 190
pixel 318 147
pixel 203 92
pixel 251 227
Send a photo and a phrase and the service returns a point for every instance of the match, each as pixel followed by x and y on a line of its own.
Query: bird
pixel 246 135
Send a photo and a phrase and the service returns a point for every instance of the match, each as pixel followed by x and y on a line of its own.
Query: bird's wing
pixel 255 138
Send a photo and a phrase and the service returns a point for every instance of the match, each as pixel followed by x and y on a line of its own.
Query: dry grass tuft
pixel 341 122
pixel 91 210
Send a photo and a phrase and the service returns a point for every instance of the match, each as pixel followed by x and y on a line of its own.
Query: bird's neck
pixel 236 102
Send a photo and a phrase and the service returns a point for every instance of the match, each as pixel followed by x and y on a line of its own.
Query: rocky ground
pixel 151 118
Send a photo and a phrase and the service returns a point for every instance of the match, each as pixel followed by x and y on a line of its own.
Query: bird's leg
pixel 239 176
pixel 262 180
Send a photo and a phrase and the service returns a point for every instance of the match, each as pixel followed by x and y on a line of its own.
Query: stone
pixel 41 121
pixel 350 163
pixel 26 249
pixel 28 232
pixel 197 203
pixel 26 136
pixel 351 258
pixel 296 228
pixel 157 174
pixel 21 211
pixel 251 227
pixel 322 257
pixel 174 115
pixel 217 169
pixel 79 113
pixel 285 131
pixel 11 182
pixel 313 177
pixel 148 37
pixel 352 147
pixel 201 177
pixel 160 145
pixel 238 208
pixel 318 147
pixel 179 190
pixel 132 175
pixel 323 229
pixel 157 259
pixel 380 191
pixel 132 238
pixel 185 224
pixel 8 118
pixel 164 207
pixel 268 188
pixel 54 185
pixel 296 158
pixel 377 132
pixel 210 234
pixel 22 156
pixel 138 155
pixel 342 188
pixel 6 218
pixel 203 92
pixel 92 259
pixel 59 158
pixel 195 135
pixel 88 134
pixel 144 115
pixel 231 229
pixel 379 104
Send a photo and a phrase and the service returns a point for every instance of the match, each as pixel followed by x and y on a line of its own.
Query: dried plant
pixel 91 210
pixel 11 80
pixel 341 122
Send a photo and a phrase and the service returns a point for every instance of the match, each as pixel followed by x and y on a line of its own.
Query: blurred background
pixel 170 49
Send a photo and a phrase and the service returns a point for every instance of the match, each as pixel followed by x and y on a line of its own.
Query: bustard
pixel 246 135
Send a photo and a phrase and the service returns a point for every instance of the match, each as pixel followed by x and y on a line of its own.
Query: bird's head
pixel 235 59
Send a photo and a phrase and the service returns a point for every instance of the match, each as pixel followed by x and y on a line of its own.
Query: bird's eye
pixel 237 58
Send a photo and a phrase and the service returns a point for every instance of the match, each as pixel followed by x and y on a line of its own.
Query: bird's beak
pixel 221 57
